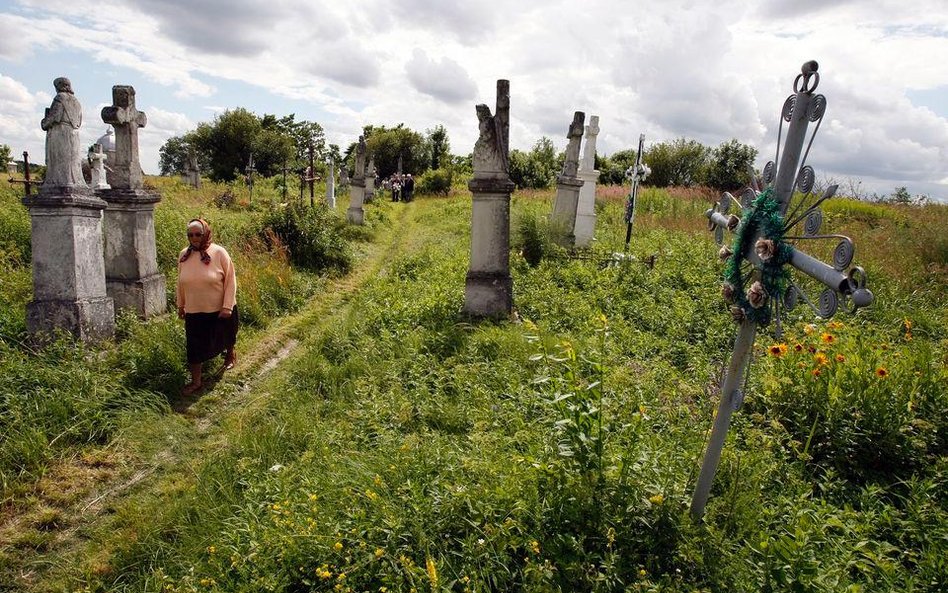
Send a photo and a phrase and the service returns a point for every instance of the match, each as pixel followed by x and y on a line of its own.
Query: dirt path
pixel 44 527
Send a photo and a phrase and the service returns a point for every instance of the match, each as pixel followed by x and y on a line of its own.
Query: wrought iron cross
pixel 758 281
pixel 636 173
pixel 26 181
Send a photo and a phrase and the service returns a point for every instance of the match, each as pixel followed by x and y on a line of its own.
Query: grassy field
pixel 394 445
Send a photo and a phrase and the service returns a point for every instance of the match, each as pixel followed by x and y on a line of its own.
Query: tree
pixel 536 169
pixel 682 162
pixel 439 146
pixel 387 144
pixel 173 156
pixel 5 153
pixel 612 168
pixel 730 165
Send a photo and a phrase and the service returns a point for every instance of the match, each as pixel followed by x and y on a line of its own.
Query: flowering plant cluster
pixel 750 297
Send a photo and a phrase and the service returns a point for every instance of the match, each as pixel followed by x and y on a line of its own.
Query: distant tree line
pixel 680 162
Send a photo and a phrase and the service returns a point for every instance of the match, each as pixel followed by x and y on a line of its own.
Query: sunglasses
pixel 195 234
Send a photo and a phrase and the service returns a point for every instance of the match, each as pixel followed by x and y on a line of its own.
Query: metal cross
pixel 638 172
pixel 26 181
pixel 250 169
pixel 799 110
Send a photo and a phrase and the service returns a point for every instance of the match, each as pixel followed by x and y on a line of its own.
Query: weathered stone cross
pixel 126 119
pixel 757 283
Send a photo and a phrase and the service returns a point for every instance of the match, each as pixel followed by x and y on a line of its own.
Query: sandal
pixel 230 362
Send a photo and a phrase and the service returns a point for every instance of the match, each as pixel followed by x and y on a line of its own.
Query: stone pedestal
pixel 369 192
pixel 356 213
pixel 69 290
pixel 488 287
pixel 564 209
pixel 131 261
pixel 586 208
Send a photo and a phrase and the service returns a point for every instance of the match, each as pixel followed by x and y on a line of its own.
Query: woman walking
pixel 207 301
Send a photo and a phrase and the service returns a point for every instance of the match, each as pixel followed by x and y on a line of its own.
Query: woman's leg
pixel 196 382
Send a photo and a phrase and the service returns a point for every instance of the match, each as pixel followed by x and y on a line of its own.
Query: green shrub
pixel 435 182
pixel 313 237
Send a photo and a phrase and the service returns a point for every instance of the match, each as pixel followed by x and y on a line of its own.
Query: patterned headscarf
pixel 205 242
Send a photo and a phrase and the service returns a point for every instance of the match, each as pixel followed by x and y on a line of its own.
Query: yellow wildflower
pixel 882 373
pixel 535 546
pixel 432 571
pixel 809 328
pixel 337 546
pixel 211 549
pixel 657 499
pixel 379 552
pixel 828 338
pixel 820 358
pixel 778 350
pixel 840 358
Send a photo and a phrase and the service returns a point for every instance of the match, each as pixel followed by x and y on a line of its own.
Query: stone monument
pixel 586 209
pixel 98 157
pixel 107 141
pixel 131 265
pixel 370 176
pixel 488 288
pixel 192 170
pixel 343 178
pixel 568 184
pixel 356 213
pixel 69 290
pixel 331 184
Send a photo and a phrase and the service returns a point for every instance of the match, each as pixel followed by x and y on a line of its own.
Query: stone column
pixel 66 237
pixel 567 186
pixel 488 288
pixel 331 185
pixel 586 209
pixel 356 214
pixel 370 176
pixel 131 263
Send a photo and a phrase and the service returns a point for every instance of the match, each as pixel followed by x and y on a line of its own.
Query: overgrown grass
pixel 408 449
pixel 67 396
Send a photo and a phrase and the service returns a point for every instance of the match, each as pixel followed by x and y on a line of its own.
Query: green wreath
pixel 763 216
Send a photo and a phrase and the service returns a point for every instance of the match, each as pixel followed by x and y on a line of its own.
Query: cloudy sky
pixel 709 71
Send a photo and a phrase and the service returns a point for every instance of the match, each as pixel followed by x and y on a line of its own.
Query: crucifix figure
pixel 125 119
pixel 758 284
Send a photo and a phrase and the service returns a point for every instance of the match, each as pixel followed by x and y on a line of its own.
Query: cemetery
pixel 608 383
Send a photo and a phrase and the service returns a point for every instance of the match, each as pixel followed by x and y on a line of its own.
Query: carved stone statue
pixel 61 124
pixel 490 150
pixel 575 136
pixel 360 159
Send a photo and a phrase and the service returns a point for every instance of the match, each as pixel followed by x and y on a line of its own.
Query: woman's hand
pixel 224 314
pixel 180 312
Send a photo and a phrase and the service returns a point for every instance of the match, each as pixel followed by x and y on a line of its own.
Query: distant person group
pixel 401 186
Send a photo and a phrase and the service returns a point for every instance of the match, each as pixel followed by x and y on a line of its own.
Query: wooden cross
pixel 26 181
pixel 126 119
pixel 755 306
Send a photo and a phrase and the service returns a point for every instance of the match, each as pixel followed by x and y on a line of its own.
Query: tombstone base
pixel 355 215
pixel 488 294
pixel 146 297
pixel 565 206
pixel 89 320
pixel 585 229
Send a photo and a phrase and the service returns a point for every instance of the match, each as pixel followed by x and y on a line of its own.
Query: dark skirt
pixel 207 335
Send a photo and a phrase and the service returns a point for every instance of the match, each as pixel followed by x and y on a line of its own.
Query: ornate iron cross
pixel 636 173
pixel 758 283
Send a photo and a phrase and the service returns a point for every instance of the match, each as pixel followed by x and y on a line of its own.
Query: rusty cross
pixel 26 181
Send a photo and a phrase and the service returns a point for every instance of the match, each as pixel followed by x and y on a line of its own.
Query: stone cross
pixel 488 287
pixel 757 285
pixel 356 212
pixel 192 169
pixel 585 226
pixel 125 118
pixel 98 159
pixel 575 137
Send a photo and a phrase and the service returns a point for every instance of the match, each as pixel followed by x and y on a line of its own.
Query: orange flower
pixel 778 350
pixel 828 338
pixel 834 325
pixel 798 347
pixel 816 372
pixel 840 358
pixel 882 373
pixel 908 324
pixel 820 358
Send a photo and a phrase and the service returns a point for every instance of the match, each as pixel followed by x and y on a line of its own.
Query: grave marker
pixel 488 290
pixel 635 174
pixel 98 158
pixel 69 291
pixel 586 209
pixel 131 260
pixel 567 185
pixel 356 214
pixel 758 282
pixel 331 184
